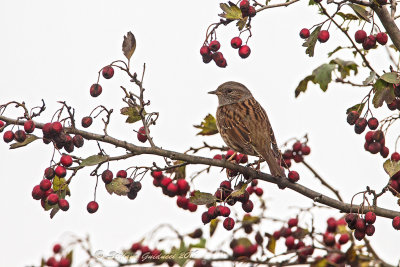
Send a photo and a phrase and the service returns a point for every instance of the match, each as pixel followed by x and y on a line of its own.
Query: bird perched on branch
pixel 244 126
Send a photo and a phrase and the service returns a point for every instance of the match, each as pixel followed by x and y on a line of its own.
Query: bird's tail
pixel 274 167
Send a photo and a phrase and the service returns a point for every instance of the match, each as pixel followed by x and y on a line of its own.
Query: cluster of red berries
pixel 244 249
pixel 54 132
pixel 395 179
pixel 362 226
pixel 395 104
pixel 58 260
pixel 247 9
pixel 369 41
pixel 210 52
pixel 375 143
pixel 44 190
pixel 134 186
pixel 323 35
pixel 215 211
pixel 293 239
pixel 298 151
pixel 253 188
pixel 96 89
pixel 178 188
pixel 19 135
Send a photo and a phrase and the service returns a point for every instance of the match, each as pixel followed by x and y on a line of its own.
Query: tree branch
pixel 389 24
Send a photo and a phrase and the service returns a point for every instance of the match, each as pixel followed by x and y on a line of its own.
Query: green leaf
pixel 59 184
pixel 241 23
pixel 311 3
pixel 370 78
pixel 200 198
pixel 302 87
pixel 344 67
pixel 347 16
pixel 320 263
pixel 391 77
pixel 208 126
pixel 323 75
pixel 180 254
pixel 244 241
pixel 393 47
pixel 180 172
pixel 311 41
pixel 383 93
pixel 69 256
pixel 271 244
pixel 201 244
pixel 231 11
pixel 133 113
pixel 359 108
pixel 29 139
pixel 360 11
pixel 239 191
pixel 213 226
pixel 93 160
pixel 300 233
pixel 118 186
pixel 248 219
pixel 334 51
pixel 129 45
pixel 391 167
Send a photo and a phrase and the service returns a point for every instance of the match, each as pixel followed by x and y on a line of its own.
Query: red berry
pixel 384 152
pixel 122 174
pixel 360 36
pixel 1 124
pixel 63 204
pixel 95 90
pixel 166 181
pixel 305 150
pixel 239 250
pixel 369 42
pixel 344 238
pixel 204 51
pixel 8 136
pixel 297 146
pixel 225 184
pixel 92 206
pixel 395 156
pixel 172 188
pixel 224 211
pixel 373 123
pixel 37 193
pixel 64 262
pixel 259 191
pixel 381 38
pixel 236 42
pixel 370 230
pixel 108 72
pixel 107 176
pixel 304 33
pixel 370 217
pixel 289 242
pixel 56 128
pixel 293 222
pixel 61 171
pixel 141 135
pixel 323 36
pixel 244 51
pixel 214 46
pixel 218 157
pixel 329 239
pixel 183 186
pixel 20 136
pixel 78 141
pixel 244 5
pixel 293 176
pixel 396 223
pixel 157 175
pixel 182 202
pixel 45 184
pixel 360 224
pixel 56 248
pixel 135 247
pixel 352 117
pixel 251 12
pixel 248 206
pixel 229 223
pixel 49 173
pixel 87 121
pixel 29 126
pixel 359 235
pixel 332 224
pixel 374 147
pixel 360 125
pixel 205 218
pixel 66 160
pixel 52 199
pixel 221 63
pixel 192 207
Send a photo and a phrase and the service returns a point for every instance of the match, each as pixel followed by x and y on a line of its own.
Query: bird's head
pixel 231 92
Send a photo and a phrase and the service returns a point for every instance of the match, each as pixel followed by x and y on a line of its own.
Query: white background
pixel 54 49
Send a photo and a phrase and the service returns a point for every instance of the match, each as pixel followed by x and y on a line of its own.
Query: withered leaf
pixel 129 45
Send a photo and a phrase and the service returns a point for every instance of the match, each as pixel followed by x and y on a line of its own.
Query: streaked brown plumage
pixel 244 126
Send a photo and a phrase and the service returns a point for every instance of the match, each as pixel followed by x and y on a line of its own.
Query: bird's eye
pixel 229 91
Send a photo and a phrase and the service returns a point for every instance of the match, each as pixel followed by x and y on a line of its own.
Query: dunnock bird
pixel 244 125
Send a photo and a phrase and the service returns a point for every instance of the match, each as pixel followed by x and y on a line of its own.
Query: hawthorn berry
pixel 49 173
pixel 183 186
pixel 37 193
pixel 236 42
pixel 1 124
pixel 381 38
pixel 132 194
pixel 136 246
pixel 205 51
pixel 344 238
pixel 107 176
pixel 45 184
pixel 360 125
pixel 225 184
pixel 92 206
pixel 122 174
pixel 172 188
pixel 141 135
pixel 229 223
pixel 182 202
pixel 248 206
pixel 360 224
pixel 63 204
pixel 56 128
pixel 56 248
pixel 289 242
pixel 60 171
pixel 205 218
pixel 244 51
pixel 224 211
pixel 218 157
pixel 395 156
pixel 305 150
pixel 304 33
pixel 87 121
pixel 396 223
pixel 369 230
pixel 20 136
pixel 352 117
pixel 108 72
pixel 323 36
pixel 95 90
pixel 374 147
pixel 293 222
pixel 244 5
pixel 297 146
pixel 360 36
pixel 212 212
pixel 239 250
pixel 329 239
pixel 78 141
pixel 332 224
pixel 369 42
pixel 29 126
pixel 359 235
pixel 52 199
pixel 251 12
pixel 384 151
pixel 214 45
pixel 166 181
pixel 373 123
pixel 370 217
pixel 64 262
pixel 293 176
pixel 66 160
pixel 8 136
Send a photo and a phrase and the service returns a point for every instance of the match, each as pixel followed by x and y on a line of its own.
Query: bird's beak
pixel 213 92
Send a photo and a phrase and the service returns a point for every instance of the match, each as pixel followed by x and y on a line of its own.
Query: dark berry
pixel 29 126
pixel 229 223
pixel 95 90
pixel 373 123
pixel 293 176
pixel 78 141
pixel 360 125
pixel 63 204
pixel 214 46
pixel 141 135
pixel 370 217
pixel 52 199
pixel 108 72
pixel 369 42
pixel 205 218
pixel 381 38
pixel 248 206
pixel 370 230
pixel 20 136
pixel 352 117
pixel 49 173
pixel 360 36
pixel 92 206
pixel 107 176
pixel 344 238
pixel 87 121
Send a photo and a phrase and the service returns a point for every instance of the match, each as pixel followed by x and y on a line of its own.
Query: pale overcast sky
pixel 54 49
